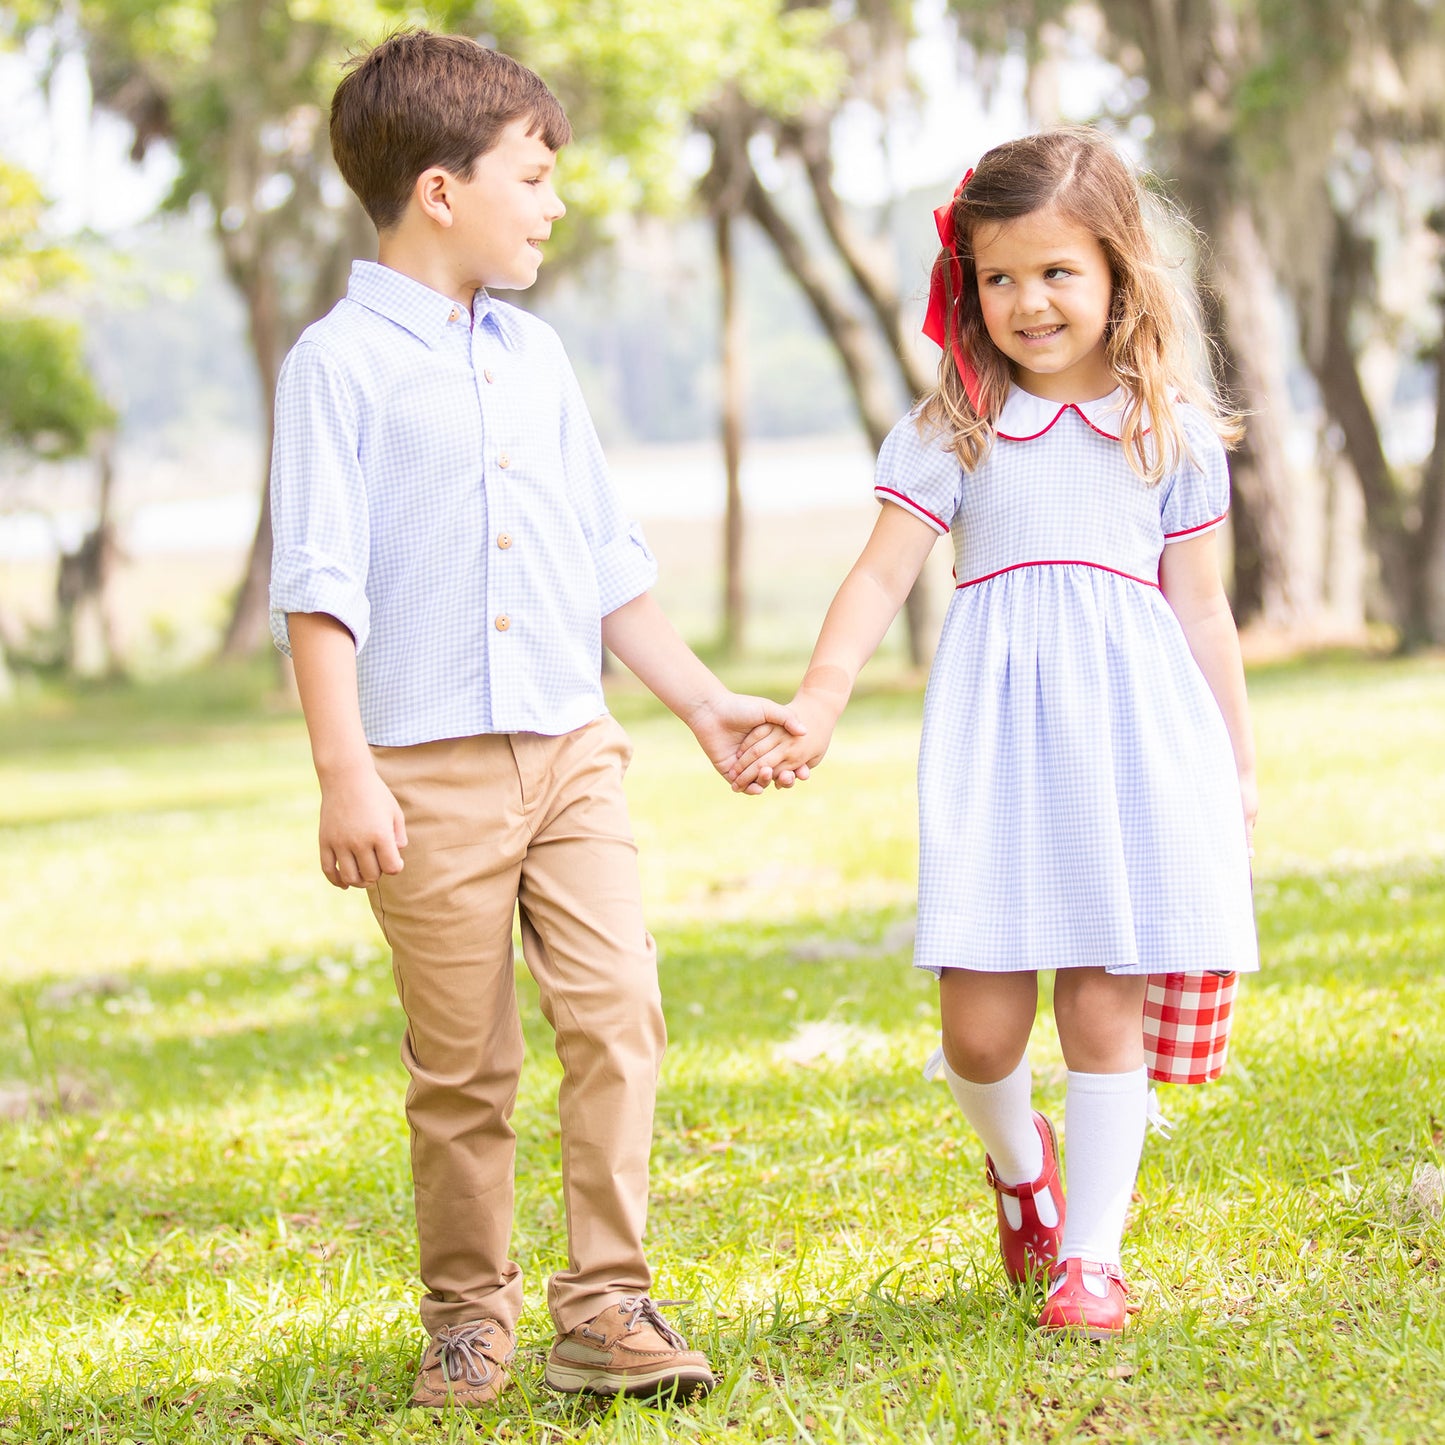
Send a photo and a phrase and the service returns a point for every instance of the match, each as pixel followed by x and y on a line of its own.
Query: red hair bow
pixel 935 321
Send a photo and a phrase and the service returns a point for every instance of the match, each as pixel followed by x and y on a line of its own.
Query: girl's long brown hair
pixel 1150 330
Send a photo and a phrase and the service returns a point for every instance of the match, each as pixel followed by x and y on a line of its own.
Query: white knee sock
pixel 1003 1115
pixel 1104 1119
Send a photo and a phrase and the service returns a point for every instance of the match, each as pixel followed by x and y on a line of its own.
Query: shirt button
pixel 504 461
pixel 488 375
pixel 455 316
pixel 503 622
pixel 504 541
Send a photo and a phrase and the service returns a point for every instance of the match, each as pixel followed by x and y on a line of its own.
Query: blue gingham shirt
pixel 438 488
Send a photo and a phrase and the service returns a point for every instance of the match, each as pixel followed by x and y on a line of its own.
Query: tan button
pixel 504 461
pixel 504 541
pixel 488 375
pixel 503 622
pixel 455 316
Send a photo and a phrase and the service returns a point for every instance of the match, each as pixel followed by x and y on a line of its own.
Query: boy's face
pixel 503 214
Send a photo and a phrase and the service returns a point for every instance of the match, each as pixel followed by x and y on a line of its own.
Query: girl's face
pixel 1045 290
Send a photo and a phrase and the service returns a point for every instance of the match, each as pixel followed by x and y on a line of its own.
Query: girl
pixel 1086 741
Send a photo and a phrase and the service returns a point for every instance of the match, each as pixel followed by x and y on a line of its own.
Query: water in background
pixel 683 481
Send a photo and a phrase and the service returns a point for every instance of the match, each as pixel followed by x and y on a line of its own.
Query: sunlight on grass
pixel 205 1218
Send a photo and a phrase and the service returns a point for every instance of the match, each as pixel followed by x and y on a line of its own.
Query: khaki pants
pixel 495 823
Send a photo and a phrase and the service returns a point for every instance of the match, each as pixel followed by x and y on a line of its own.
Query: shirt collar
pixel 422 311
pixel 503 319
pixel 1026 416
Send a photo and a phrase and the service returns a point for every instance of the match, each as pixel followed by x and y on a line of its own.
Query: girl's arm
pixel 1189 578
pixel 860 614
pixel 642 638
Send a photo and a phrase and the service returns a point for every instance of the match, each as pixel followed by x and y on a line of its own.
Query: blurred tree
pixel 1343 128
pixel 722 190
pixel 851 281
pixel 1304 136
pixel 50 406
pixel 241 89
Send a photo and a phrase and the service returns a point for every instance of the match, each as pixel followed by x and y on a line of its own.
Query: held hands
pixel 783 756
pixel 724 724
pixel 362 829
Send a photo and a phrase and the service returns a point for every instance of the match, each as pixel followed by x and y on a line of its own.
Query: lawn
pixel 205 1228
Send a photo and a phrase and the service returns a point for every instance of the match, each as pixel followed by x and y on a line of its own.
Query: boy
pixel 449 558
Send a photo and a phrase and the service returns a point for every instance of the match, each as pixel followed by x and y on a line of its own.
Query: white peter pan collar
pixel 1025 416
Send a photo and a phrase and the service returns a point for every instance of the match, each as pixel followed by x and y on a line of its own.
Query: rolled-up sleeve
pixel 319 512
pixel 623 561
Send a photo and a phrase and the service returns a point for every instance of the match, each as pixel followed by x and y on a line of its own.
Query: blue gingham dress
pixel 1078 799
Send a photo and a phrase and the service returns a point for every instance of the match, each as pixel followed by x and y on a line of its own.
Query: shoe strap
pixel 1092 1266
pixel 1029 1188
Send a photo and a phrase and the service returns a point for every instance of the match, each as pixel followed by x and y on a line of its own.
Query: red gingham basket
pixel 1186 1025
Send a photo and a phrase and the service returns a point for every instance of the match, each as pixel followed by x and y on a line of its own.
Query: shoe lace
pixel 648 1310
pixel 461 1350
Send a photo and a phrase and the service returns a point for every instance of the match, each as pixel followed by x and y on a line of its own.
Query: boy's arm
pixel 861 613
pixel 640 636
pixel 1189 578
pixel 362 829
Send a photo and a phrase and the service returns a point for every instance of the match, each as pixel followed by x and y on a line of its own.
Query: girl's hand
pixel 1249 796
pixel 773 755
pixel 723 725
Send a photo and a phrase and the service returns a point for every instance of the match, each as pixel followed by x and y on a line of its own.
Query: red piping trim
pixel 1203 526
pixel 1068 406
pixel 1008 438
pixel 1057 562
pixel 912 506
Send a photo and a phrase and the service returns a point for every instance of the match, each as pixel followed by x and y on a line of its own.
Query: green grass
pixel 207 1235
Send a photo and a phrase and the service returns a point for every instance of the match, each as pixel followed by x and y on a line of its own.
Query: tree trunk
pixel 870 265
pixel 1403 553
pixel 7 679
pixel 249 627
pixel 1425 620
pixel 1239 302
pixel 874 401
pixel 734 616
pixel 107 559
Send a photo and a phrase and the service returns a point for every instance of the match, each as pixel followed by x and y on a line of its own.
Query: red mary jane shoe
pixel 1030 1250
pixel 1086 1298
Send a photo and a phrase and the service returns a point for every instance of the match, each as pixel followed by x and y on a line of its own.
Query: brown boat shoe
pixel 464 1365
pixel 628 1349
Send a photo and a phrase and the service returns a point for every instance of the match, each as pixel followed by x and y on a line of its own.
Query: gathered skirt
pixel 1078 798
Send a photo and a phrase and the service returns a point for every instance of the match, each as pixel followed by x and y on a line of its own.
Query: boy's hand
pixel 362 829
pixel 782 757
pixel 723 725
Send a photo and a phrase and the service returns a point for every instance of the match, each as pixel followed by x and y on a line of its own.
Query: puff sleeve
pixel 1194 497
pixel 920 474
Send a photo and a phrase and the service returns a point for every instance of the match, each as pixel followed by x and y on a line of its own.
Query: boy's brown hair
pixel 420 100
